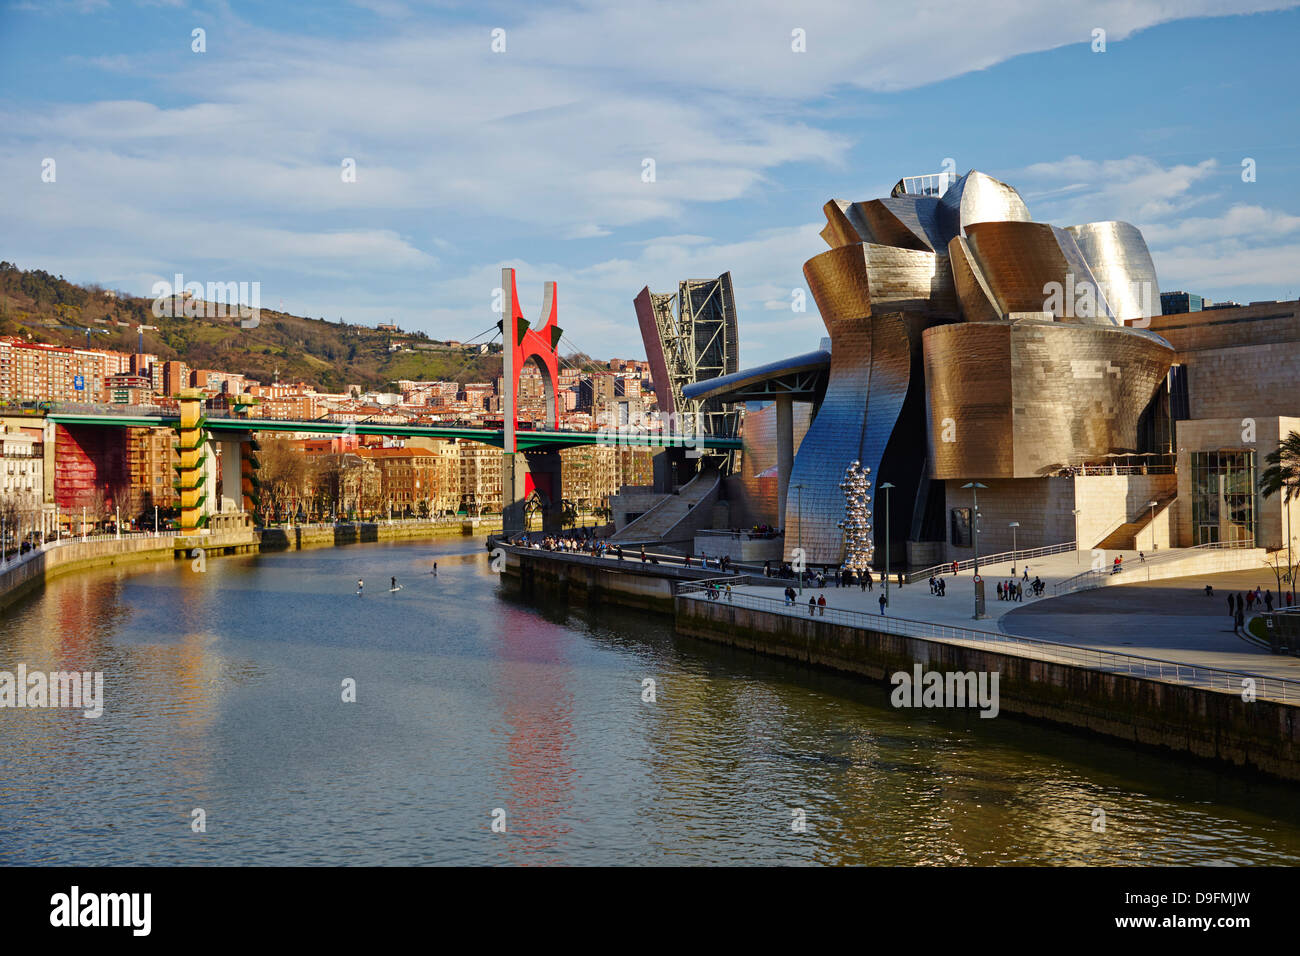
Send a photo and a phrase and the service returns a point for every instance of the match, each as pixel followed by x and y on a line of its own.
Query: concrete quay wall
pixel 1261 736
pixel 17 580
pixel 21 579
pixel 315 536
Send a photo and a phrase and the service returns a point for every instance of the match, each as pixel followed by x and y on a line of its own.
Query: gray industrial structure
pixel 697 342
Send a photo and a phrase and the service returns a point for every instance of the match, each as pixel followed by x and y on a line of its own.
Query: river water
pixel 224 693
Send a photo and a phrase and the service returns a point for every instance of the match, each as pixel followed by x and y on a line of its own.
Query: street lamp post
pixel 1077 559
pixel 885 488
pixel 1152 506
pixel 975 486
pixel 1013 526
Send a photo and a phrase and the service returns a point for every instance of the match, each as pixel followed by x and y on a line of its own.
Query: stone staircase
pixel 1125 537
pixel 677 517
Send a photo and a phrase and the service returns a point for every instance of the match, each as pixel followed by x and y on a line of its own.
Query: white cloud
pixel 1240 221
pixel 1135 189
pixel 235 164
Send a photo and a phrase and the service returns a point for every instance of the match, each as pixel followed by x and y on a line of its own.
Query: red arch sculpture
pixel 527 344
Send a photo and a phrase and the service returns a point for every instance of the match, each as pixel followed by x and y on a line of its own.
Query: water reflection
pixel 223 691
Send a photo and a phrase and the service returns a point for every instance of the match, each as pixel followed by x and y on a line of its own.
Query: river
pixel 224 694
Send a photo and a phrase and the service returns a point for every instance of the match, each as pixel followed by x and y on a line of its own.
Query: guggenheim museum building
pixel 970 345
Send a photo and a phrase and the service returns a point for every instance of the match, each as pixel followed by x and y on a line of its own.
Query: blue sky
pixel 225 165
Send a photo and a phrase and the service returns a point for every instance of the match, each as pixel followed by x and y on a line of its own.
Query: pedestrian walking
pixel 812 606
pixel 1268 600
pixel 821 604
pixel 882 604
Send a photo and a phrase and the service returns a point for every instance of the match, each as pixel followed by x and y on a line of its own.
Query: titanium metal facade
pixel 1122 265
pixel 1026 398
pixel 967 341
pixel 1020 261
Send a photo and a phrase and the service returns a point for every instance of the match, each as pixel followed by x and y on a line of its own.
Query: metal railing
pixel 15 558
pixel 1020 554
pixel 1096 577
pixel 740 534
pixel 1150 668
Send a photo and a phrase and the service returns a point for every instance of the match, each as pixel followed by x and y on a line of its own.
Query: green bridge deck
pixel 527 440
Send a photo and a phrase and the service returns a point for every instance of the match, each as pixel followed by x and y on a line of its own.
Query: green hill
pixel 40 307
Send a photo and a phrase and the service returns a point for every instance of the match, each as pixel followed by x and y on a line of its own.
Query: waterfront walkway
pixel 1168 627
pixel 1166 619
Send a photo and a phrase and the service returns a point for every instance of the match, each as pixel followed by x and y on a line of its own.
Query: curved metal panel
pixel 870 373
pixel 854 281
pixel 838 231
pixel 973 292
pixel 1023 399
pixel 746 379
pixel 1122 265
pixel 1023 262
pixel 978 197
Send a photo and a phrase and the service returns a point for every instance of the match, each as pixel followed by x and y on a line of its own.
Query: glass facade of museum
pixel 1223 496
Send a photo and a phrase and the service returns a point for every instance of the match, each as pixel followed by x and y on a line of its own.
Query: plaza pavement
pixel 1171 619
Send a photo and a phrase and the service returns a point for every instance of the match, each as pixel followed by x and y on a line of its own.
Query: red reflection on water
pixel 538 708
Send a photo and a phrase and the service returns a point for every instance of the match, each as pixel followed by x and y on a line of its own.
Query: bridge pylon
pixel 195 469
pixel 523 473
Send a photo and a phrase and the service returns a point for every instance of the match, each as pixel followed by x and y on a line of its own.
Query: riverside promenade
pixel 1182 627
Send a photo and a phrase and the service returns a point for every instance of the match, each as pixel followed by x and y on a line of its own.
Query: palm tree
pixel 1283 471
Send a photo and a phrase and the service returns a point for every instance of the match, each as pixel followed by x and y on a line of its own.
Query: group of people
pixel 1244 602
pixel 814 603
pixel 715 591
pixel 938 586
pixel 722 564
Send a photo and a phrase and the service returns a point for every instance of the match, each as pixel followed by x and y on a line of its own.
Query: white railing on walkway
pixel 1097 577
pixel 1192 675
pixel 1018 555
pixel 15 560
